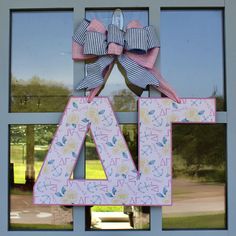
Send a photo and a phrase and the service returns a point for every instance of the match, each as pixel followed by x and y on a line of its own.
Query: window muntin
pixel 121 97
pixel 223 232
pixel 114 217
pixel 41 64
pixel 122 100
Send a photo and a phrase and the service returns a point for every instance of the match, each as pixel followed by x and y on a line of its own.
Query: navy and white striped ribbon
pixel 95 71
pixel 138 40
pixel 141 40
pixel 115 35
pixel 80 34
pixel 137 74
pixel 152 40
pixel 95 43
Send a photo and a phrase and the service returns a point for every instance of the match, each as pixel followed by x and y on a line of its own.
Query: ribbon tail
pixel 142 77
pixel 135 89
pixel 95 91
pixel 137 74
pixel 164 87
pixel 95 73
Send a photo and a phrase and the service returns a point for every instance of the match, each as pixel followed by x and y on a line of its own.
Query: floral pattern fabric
pixel 150 185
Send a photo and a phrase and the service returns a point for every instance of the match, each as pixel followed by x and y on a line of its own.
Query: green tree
pixel 44 134
pixel 17 134
pixel 124 100
pixel 30 172
pixel 200 146
pixel 38 95
pixel 35 95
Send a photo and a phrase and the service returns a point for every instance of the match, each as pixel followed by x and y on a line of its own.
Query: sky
pixel 41 45
pixel 192 51
pixel 191 57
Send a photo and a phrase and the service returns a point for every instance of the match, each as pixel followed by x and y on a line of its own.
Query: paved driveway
pixel 193 198
pixel 190 198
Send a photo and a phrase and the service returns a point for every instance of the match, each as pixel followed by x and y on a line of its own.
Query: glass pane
pixel 114 217
pixel 28 147
pixel 105 16
pixel 192 53
pixel 94 168
pixel 199 178
pixel 122 98
pixel 41 64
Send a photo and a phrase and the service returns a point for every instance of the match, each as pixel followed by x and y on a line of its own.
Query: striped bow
pixel 136 50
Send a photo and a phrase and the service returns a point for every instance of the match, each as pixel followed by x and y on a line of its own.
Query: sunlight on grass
pixel 19 171
pixel 195 222
pixel 15 226
pixel 94 170
pixel 108 208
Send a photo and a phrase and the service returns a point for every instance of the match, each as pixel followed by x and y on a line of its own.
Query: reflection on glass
pixel 120 95
pixel 41 64
pixel 114 217
pixel 192 53
pixel 199 178
pixel 28 148
pixel 94 168
pixel 105 16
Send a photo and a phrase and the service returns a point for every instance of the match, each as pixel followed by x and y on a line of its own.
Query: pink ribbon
pixel 145 60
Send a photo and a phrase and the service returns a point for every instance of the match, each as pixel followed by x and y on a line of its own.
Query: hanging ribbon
pixel 136 50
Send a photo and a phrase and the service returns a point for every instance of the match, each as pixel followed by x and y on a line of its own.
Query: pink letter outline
pixel 150 185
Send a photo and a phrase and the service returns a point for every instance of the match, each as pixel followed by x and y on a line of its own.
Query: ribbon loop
pixel 95 43
pixel 115 35
pixel 79 35
pixel 152 40
pixel 141 49
pixel 136 40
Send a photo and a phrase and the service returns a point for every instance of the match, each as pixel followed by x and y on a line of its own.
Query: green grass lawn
pixel 108 208
pixel 17 157
pixel 40 227
pixel 19 171
pixel 195 222
pixel 94 170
